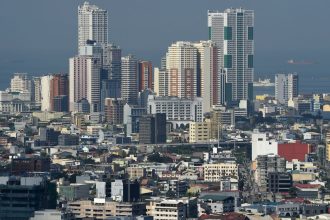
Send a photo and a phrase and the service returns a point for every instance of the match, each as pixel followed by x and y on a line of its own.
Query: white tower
pixel 232 31
pixel 92 24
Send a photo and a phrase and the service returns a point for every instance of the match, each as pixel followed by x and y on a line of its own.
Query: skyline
pixel 300 43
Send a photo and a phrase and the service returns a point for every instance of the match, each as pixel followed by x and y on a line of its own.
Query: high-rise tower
pixel 181 65
pixel 232 31
pixel 92 24
pixel 129 91
pixel 286 87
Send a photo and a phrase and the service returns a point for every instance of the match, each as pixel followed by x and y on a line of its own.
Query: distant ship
pixel 301 62
pixel 263 83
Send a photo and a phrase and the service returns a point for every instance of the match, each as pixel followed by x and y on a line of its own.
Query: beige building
pixel 220 117
pixel 161 82
pixel 102 209
pixel 181 65
pixel 327 150
pixel 94 129
pixel 199 131
pixel 215 172
pixel 136 172
pixel 210 83
pixel 164 209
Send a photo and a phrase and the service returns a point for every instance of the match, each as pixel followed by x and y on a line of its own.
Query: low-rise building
pixel 167 209
pixel 199 131
pixel 101 208
pixel 74 191
pixel 215 172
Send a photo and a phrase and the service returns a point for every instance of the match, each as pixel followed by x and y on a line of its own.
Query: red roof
pixel 307 186
pixel 292 151
pixel 297 200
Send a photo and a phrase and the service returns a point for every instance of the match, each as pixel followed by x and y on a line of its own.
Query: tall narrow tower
pixel 129 91
pixel 92 24
pixel 232 31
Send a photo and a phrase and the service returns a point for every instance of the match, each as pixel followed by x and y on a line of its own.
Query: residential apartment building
pixel 286 87
pixel 92 24
pixel 84 81
pixel 268 164
pixel 165 209
pixel 114 110
pixel 101 208
pixel 181 65
pixel 161 82
pixel 199 131
pixel 232 32
pixel 145 75
pixel 129 89
pixel 215 172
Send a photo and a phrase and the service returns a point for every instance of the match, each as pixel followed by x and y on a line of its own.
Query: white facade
pixel 92 24
pixel 286 87
pixel 45 87
pixel 176 109
pixel 100 189
pixel 261 145
pixel 208 71
pixel 129 90
pixel 117 190
pixel 232 31
pixel 14 102
pixel 20 83
pixel 181 65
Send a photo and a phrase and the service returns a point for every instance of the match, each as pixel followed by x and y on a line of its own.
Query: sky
pixel 39 36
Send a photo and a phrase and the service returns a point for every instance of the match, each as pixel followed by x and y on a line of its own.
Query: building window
pixel 228 33
pixel 227 61
pixel 250 33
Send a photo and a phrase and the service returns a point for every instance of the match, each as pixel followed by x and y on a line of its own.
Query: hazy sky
pixel 38 36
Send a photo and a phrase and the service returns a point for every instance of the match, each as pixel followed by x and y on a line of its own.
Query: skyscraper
pixel 145 75
pixel 129 90
pixel 111 73
pixel 59 92
pixel 45 92
pixel 112 61
pixel 92 24
pixel 161 82
pixel 232 31
pixel 286 87
pixel 85 81
pixel 207 74
pixel 181 65
pixel 293 85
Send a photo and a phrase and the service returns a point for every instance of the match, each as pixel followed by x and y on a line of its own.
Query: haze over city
pixel 154 110
pixel 40 36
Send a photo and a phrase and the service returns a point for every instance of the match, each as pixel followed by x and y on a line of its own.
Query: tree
pixel 293 192
pixel 156 157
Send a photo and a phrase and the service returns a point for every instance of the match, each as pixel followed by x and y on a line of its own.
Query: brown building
pixel 145 80
pixel 114 110
pixel 59 93
pixel 24 165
